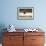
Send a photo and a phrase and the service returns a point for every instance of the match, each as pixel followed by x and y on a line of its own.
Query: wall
pixel 8 13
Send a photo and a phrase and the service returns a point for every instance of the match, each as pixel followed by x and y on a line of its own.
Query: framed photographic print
pixel 25 13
